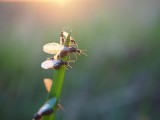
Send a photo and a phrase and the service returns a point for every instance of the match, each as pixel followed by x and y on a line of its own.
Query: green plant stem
pixel 58 78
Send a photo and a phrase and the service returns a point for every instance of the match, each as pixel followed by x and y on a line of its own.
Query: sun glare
pixel 61 2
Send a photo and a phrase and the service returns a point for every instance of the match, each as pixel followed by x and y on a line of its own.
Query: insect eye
pixel 79 51
pixel 72 40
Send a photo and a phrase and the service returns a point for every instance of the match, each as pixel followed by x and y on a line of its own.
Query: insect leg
pixel 66 68
pixel 76 45
pixel 60 107
pixel 83 52
pixel 69 57
pixel 75 56
pixel 69 66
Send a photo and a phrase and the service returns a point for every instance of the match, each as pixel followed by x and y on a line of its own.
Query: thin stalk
pixel 58 78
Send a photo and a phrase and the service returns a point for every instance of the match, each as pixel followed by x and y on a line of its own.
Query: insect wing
pixel 66 34
pixel 47 64
pixel 44 108
pixel 47 83
pixel 52 48
pixel 47 106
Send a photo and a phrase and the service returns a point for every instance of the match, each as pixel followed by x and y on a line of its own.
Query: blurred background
pixel 118 80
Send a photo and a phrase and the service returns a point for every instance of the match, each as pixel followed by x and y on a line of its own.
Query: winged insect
pixel 56 64
pixel 46 109
pixel 72 40
pixel 67 50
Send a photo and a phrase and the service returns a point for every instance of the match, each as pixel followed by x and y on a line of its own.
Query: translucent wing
pixel 47 64
pixel 46 109
pixel 72 41
pixel 52 48
pixel 47 83
pixel 66 34
pixel 50 63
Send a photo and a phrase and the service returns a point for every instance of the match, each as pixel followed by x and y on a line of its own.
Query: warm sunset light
pixel 59 1
pixel 59 11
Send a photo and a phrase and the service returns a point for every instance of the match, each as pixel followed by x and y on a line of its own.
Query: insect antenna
pixel 76 45
pixel 83 52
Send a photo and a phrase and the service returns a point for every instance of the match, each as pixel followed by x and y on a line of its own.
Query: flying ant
pixel 62 39
pixel 41 113
pixel 52 63
pixel 46 109
pixel 67 50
